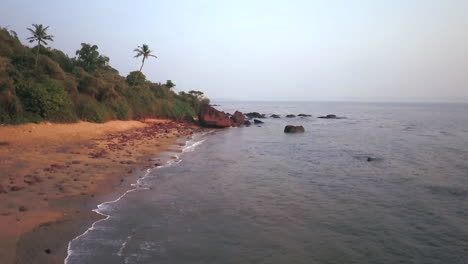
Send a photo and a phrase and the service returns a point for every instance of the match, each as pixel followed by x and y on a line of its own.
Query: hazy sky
pixel 272 50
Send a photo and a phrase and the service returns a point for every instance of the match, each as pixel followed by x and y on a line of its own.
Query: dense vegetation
pixel 41 83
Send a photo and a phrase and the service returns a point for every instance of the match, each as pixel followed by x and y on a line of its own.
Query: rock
pixel 16 188
pixel 256 121
pixel 275 116
pixel 2 189
pixel 210 117
pixel 331 116
pixel 247 123
pixel 22 209
pixel 255 115
pixel 293 129
pixel 304 115
pixel 290 116
pixel 47 251
pixel 237 119
pixel 31 179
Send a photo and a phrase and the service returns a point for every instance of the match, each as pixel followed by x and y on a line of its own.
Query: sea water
pixel 258 195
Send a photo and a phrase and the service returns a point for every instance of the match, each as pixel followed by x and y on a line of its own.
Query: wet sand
pixel 53 175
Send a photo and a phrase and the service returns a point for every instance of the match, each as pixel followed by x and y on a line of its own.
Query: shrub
pixel 122 110
pixel 48 100
pixel 136 78
pixel 48 68
pixel 89 109
pixel 62 59
pixel 23 61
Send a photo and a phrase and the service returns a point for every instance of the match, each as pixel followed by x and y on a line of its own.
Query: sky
pixel 284 50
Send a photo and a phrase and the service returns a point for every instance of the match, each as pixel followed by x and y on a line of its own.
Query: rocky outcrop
pixel 237 119
pixel 275 116
pixel 210 117
pixel 247 123
pixel 293 129
pixel 304 115
pixel 331 116
pixel 255 115
pixel 290 116
pixel 256 121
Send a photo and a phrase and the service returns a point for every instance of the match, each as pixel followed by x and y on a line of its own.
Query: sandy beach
pixel 53 175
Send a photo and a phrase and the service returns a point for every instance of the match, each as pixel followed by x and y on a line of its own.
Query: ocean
pixel 258 195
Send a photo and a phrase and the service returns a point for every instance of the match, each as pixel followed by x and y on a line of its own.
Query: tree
pixel 144 52
pixel 39 34
pixel 89 57
pixel 169 84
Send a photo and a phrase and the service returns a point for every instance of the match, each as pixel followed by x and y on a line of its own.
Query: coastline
pixel 53 175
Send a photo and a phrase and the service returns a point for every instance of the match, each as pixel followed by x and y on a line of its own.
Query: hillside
pixel 63 89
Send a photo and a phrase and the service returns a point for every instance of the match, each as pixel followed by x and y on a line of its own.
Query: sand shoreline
pixel 53 175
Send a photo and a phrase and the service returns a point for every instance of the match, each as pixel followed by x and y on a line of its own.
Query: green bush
pixel 122 110
pixel 23 62
pixel 48 100
pixel 136 78
pixel 182 110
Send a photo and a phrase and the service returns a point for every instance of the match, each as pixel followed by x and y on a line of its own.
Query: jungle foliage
pixel 40 83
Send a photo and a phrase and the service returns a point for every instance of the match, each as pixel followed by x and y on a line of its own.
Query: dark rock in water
pixel 329 117
pixel 210 117
pixel 255 115
pixel 256 121
pixel 275 116
pixel 47 251
pixel 237 119
pixel 369 159
pixel 22 208
pixel 290 116
pixel 304 115
pixel 293 129
pixel 247 123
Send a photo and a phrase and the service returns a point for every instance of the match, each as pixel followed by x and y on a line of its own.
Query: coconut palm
pixel 39 34
pixel 144 52
pixel 89 57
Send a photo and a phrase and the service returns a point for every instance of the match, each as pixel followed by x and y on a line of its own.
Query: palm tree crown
pixel 145 52
pixel 39 35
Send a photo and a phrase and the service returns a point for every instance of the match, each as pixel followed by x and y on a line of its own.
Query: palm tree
pixel 89 57
pixel 145 52
pixel 39 34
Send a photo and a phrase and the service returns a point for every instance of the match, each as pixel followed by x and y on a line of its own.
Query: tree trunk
pixel 142 63
pixel 37 53
pixel 136 78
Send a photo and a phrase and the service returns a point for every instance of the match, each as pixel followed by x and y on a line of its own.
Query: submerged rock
pixel 275 116
pixel 304 115
pixel 256 121
pixel 210 117
pixel 293 129
pixel 331 116
pixel 237 119
pixel 290 116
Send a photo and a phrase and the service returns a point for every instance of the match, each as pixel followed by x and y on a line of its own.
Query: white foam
pixel 139 185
